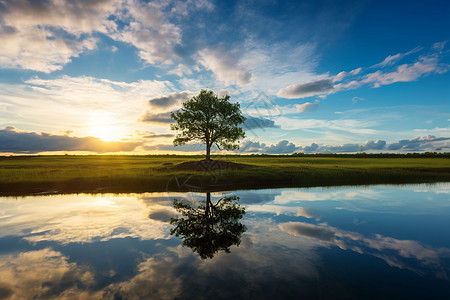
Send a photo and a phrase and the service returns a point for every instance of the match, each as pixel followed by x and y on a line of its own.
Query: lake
pixel 359 242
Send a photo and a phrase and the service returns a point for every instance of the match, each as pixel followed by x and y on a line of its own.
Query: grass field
pixel 22 175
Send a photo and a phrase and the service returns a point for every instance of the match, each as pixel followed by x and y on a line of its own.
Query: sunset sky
pixel 86 76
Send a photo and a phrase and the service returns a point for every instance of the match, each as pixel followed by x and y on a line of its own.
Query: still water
pixel 373 242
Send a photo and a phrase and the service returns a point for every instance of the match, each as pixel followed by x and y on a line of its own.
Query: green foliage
pixel 210 120
pixel 209 228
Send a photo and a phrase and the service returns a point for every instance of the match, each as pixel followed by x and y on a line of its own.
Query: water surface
pixel 369 242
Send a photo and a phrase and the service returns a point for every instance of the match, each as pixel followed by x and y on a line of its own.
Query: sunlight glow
pixel 106 133
pixel 106 128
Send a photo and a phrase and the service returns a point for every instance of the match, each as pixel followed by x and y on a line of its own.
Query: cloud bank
pixel 425 143
pixel 14 141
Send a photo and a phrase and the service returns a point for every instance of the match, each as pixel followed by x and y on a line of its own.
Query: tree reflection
pixel 209 228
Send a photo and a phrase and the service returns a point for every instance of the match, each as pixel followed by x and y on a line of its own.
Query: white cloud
pixel 225 65
pixel 405 72
pixel 45 35
pixel 340 76
pixel 35 50
pixel 74 17
pixel 307 106
pixel 149 31
pixel 389 60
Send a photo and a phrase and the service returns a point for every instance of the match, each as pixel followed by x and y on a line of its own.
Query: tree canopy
pixel 208 119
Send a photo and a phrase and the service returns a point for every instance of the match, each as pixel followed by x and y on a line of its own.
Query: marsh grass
pixel 68 174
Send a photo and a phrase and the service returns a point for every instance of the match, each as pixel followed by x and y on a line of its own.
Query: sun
pixel 107 133
pixel 106 128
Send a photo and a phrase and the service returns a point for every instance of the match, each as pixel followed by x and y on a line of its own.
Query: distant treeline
pixel 354 155
pixel 378 155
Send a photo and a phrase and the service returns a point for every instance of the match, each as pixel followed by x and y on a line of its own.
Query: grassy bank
pixel 71 174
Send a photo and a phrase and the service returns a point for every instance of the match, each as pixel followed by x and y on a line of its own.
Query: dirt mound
pixel 209 165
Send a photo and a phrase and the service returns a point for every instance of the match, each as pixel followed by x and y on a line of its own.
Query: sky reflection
pixel 298 243
pixel 82 218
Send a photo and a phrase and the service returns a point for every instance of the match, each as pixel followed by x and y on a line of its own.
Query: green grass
pixel 70 174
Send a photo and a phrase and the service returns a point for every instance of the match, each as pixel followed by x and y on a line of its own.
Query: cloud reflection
pixel 156 279
pixel 44 274
pixel 84 218
pixel 395 252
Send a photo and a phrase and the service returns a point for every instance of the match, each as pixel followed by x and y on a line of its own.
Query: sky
pixel 96 77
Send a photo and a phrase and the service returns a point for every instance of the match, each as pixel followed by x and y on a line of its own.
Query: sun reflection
pixel 105 200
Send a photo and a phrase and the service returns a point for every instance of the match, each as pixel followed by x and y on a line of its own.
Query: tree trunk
pixel 208 204
pixel 208 151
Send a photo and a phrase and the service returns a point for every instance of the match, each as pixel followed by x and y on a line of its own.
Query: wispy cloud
pixel 389 72
pixel 393 59
pixel 225 65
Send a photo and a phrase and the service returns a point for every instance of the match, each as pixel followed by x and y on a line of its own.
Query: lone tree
pixel 209 119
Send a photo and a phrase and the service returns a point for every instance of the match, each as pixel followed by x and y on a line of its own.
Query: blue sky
pixel 311 76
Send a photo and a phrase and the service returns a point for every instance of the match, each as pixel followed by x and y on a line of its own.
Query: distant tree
pixel 208 119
